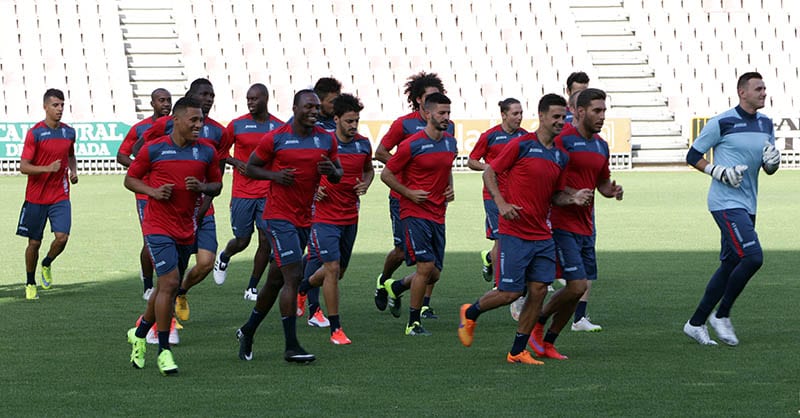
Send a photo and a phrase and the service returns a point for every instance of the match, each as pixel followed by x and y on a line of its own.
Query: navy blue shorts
pixel 576 255
pixel 167 255
pixel 397 225
pixel 32 218
pixel 492 214
pixel 738 233
pixel 329 242
pixel 287 241
pixel 523 261
pixel 140 205
pixel 207 235
pixel 246 212
pixel 424 241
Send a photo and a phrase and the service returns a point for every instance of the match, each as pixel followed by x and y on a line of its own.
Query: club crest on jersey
pixel 316 142
pixel 205 131
pixel 762 125
pixel 195 153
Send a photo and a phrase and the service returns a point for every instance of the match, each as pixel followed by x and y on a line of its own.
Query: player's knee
pixel 61 239
pixel 34 245
pixel 576 288
pixel 509 297
pixel 241 242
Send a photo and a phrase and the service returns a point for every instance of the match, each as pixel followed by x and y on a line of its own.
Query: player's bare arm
pixel 73 169
pixel 449 192
pixel 505 209
pixel 26 167
pixel 362 185
pixel 610 188
pixel 416 196
pixel 582 197
pixel 382 154
pixel 476 165
pixel 163 192
pixel 207 189
pixel 332 169
pixel 255 170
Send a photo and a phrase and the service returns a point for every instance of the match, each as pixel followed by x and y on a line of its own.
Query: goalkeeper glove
pixel 770 158
pixel 732 176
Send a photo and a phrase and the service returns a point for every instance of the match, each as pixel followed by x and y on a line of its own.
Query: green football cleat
pixel 486 269
pixel 139 347
pixel 416 330
pixel 166 364
pixel 394 301
pixel 428 313
pixel 47 278
pixel 30 292
pixel 381 298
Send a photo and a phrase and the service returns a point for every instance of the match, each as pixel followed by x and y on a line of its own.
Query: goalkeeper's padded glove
pixel 732 176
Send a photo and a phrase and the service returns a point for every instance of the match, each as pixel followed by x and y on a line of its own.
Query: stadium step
pixel 157 74
pixel 599 14
pixel 605 28
pixel 149 31
pixel 661 128
pixel 619 57
pixel 658 143
pixel 612 43
pixel 636 99
pixel 624 71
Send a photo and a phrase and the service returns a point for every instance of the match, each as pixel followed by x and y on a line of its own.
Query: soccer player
pixel 418 87
pixel 421 173
pixel 533 167
pixel 573 226
pixel 248 195
pixel 48 159
pixel 335 215
pixel 180 168
pixel 327 89
pixel 161 102
pixel 576 82
pixel 293 157
pixel 488 147
pixel 743 140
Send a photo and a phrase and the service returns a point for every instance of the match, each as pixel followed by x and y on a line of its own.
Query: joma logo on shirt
pixel 168 152
pixel 424 147
pixel 740 125
pixel 292 141
pixel 535 150
pixel 250 126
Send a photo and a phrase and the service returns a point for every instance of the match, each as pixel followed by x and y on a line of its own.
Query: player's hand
pixel 54 166
pixel 771 157
pixel 732 176
pixel 73 178
pixel 239 165
pixel 360 187
pixel 449 194
pixel 326 166
pixel 584 197
pixel 617 190
pixel 508 211
pixel 320 194
pixel 193 184
pixel 163 192
pixel 285 177
pixel 417 196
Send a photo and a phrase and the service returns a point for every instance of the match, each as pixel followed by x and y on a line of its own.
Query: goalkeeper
pixel 742 141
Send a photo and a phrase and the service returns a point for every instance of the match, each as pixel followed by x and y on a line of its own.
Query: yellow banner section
pixel 617 132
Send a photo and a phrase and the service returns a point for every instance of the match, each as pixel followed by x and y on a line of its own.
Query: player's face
pixel 54 108
pixel 754 94
pixel 326 104
pixel 162 103
pixel 347 125
pixel 306 112
pixel 512 118
pixel 188 123
pixel 553 119
pixel 439 116
pixel 256 102
pixel 593 116
pixel 205 95
pixel 576 87
pixel 428 91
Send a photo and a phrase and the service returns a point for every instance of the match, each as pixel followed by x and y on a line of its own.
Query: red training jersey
pixel 489 146
pixel 246 134
pixel 340 206
pixel 44 146
pixel 126 148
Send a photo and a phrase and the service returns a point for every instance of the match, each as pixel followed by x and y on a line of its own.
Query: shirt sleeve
pixel 561 183
pixel 126 147
pixel 213 174
pixel 709 136
pixel 605 172
pixel 333 152
pixel 29 147
pixel 141 165
pixel 394 136
pixel 480 147
pixel 368 159
pixel 400 159
pixel 507 157
pixel 157 130
pixel 265 148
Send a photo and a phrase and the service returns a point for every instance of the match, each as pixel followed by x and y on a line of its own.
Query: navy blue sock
pixel 580 311
pixel 312 309
pixel 713 293
pixel 181 291
pixel 163 340
pixel 304 287
pixel 550 337
pixel 290 331
pixel 252 324
pixel 334 322
pixel 737 281
pixel 253 282
pixel 398 288
pixel 519 343
pixel 383 279
pixel 46 261
pixel 473 312
pixel 489 257
pixel 142 328
pixel 542 319
pixel 413 315
pixel 30 277
pixel 426 301
pixel 147 282
pixel 313 297
pixel 224 257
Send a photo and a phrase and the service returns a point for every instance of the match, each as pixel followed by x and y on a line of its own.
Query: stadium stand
pixel 662 62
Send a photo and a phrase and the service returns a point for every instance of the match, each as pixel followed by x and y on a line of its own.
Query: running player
pixel 576 82
pixel 335 215
pixel 418 87
pixel 424 179
pixel 534 171
pixel 248 195
pixel 180 168
pixel 48 159
pixel 161 102
pixel 488 147
pixel 293 157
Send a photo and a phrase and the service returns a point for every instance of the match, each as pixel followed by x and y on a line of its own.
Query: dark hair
pixel 586 97
pixel 434 99
pixel 159 90
pixel 261 89
pixel 417 83
pixel 744 78
pixel 572 101
pixel 297 95
pixel 58 94
pixel 327 85
pixel 550 99
pixel 196 85
pixel 346 103
pixel 506 104
pixel 183 103
pixel 577 77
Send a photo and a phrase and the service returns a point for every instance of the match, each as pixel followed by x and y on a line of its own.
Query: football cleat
pixel 220 270
pixel 724 329
pixel 698 333
pixel 298 355
pixel 166 364
pixel 466 327
pixel 416 330
pixel 486 268
pixel 585 325
pixel 394 301
pixel 251 294
pixel 182 308
pixel 301 304
pixel 515 307
pixel 138 349
pixel 381 297
pixel 318 320
pixel 146 294
pixel 523 358
pixel 245 345
pixel 536 341
pixel 47 277
pixel 30 292
pixel 551 352
pixel 428 313
pixel 339 338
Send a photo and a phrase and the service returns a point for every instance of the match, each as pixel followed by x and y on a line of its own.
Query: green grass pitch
pixel 66 354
